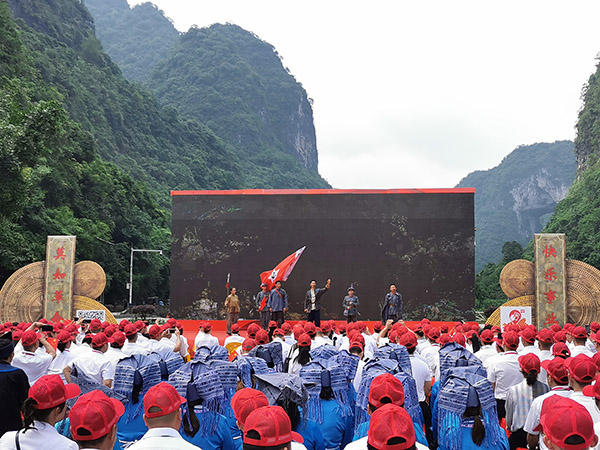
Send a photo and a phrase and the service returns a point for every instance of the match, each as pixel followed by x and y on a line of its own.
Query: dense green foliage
pixel 54 183
pixel 234 82
pixel 135 38
pixel 515 199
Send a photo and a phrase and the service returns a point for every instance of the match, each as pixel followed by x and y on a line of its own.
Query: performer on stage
pixel 278 303
pixel 312 306
pixel 232 307
pixel 350 305
pixel 262 298
pixel 392 306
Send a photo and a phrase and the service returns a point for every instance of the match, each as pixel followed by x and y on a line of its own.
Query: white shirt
pixel 290 339
pixel 60 362
pixel 535 411
pixel 321 340
pixel 421 374
pixel 529 349
pixel 432 356
pixel 162 439
pixel 233 338
pixel 358 376
pixel 43 436
pixel 35 365
pixel 298 446
pixel 134 348
pixel 183 351
pixel 589 403
pixel 544 355
pixel 94 365
pixel 486 352
pixel 422 344
pixel 580 350
pixel 504 371
pixel 361 444
pixel 294 366
pixel 205 340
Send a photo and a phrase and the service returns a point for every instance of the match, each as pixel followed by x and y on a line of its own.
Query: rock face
pixel 516 199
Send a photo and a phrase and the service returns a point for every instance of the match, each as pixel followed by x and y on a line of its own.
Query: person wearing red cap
pixel 528 337
pixel 582 372
pixel 14 388
pixel 64 354
pixel 391 428
pixel 93 421
pixel 300 356
pixel 235 336
pixel 94 366
pixel 269 428
pixel 42 410
pixel 431 354
pixel 33 362
pixel 114 353
pixel 580 338
pixel 162 415
pixel 488 347
pixel 520 398
pixel 504 370
pixel 133 345
pixel 561 350
pixel 204 338
pixel 278 336
pixel 567 425
pixel 558 381
pixel 160 340
pixel 312 307
pixel 243 403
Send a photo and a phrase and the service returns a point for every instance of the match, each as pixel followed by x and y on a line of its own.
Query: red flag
pixel 282 270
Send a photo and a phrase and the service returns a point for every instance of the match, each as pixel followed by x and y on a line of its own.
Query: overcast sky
pixel 420 93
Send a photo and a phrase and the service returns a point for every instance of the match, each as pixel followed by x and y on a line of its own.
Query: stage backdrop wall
pixel 420 240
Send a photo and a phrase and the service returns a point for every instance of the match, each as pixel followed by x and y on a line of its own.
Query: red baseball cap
pixel 252 329
pixel 444 339
pixel 248 344
pixel 377 326
pixel 29 338
pixel 434 333
pixel 310 329
pixel 357 344
pixel 510 339
pixel 545 336
pixel 161 400
pixel 99 340
pixel 459 338
pixel 50 391
pixel 154 331
pixel 206 326
pixel 528 335
pixel 562 418
pixel 109 330
pixel 444 328
pixel 245 401
pixel 64 336
pixel 117 338
pixel 278 332
pixel 581 368
pixel 556 328
pixel 487 336
pixel 530 363
pixel 386 388
pixel 262 337
pixel 560 336
pixel 594 326
pixel 94 415
pixel 326 327
pixel 342 327
pixel 557 369
pixel 95 324
pixel 269 426
pixel 409 340
pixel 304 340
pixel 390 424
pixel 596 359
pixel 272 324
pixel 235 328
pixel 123 323
pixel 579 333
pixel 130 330
pixel 286 327
pixel 16 335
pixel 593 390
pixel 561 349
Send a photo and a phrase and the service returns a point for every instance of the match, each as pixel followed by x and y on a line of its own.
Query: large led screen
pixel 420 240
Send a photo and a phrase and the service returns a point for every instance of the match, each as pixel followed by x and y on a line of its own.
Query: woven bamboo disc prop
pixel 21 296
pixel 517 278
pixel 80 302
pixel 89 279
pixel 583 293
pixel 526 300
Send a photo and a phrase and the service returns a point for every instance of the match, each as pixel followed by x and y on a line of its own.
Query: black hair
pixel 87 339
pixel 419 333
pixel 115 345
pixel 191 424
pixel 530 377
pixel 476 343
pixel 61 346
pixel 253 434
pixel 326 392
pixel 30 413
pixel 312 281
pixel 93 443
pixel 580 341
pixel 392 441
pixel 545 345
pixel 291 409
pixel 355 350
pixel 478 433
pixel 411 351
pixel 303 357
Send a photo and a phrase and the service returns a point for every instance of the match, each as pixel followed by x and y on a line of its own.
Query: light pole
pixel 131 268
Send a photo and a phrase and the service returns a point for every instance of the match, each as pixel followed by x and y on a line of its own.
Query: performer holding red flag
pixel 262 298
pixel 278 303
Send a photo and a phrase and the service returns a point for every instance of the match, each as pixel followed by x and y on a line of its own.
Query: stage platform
pixel 219 327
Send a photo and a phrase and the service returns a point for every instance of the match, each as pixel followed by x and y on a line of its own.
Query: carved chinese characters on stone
pixel 60 260
pixel 551 279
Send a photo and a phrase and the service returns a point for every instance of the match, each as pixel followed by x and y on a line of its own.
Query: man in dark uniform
pixel 14 388
pixel 392 306
pixel 262 298
pixel 278 303
pixel 312 307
